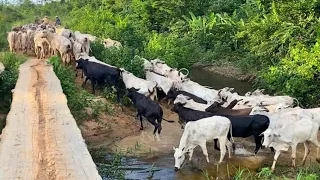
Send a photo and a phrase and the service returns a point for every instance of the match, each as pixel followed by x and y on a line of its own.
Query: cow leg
pixel 257 139
pixel 222 142
pixel 315 141
pixel 169 101
pixel 216 145
pixel 85 81
pixel 306 152
pixel 141 126
pixel 117 89
pixel 190 153
pixel 272 149
pixel 229 145
pixel 204 150
pixel 159 125
pixel 275 158
pixel 293 154
pixel 152 120
pixel 181 122
pixel 93 84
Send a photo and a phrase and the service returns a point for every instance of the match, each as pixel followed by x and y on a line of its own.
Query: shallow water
pixel 217 81
pixel 161 166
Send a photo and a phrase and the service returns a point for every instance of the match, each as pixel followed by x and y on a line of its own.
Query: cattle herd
pixel 205 114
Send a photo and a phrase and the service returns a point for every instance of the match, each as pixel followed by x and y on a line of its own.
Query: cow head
pixel 131 92
pixel 258 110
pixel 181 99
pixel 176 107
pixel 179 157
pixel 172 93
pixel 80 63
pixel 281 106
pixel 248 94
pixel 269 136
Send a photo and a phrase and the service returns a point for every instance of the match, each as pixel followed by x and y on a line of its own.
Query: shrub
pixel 8 78
pixel 297 75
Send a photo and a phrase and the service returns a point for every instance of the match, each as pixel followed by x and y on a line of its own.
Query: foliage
pixel 8 78
pixel 297 75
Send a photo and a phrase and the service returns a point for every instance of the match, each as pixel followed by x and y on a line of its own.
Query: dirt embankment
pixel 41 139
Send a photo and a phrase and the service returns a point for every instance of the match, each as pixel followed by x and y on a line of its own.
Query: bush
pixel 8 78
pixel 297 75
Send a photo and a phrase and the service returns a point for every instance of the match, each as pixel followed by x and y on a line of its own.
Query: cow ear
pixel 261 134
pixel 276 133
pixel 231 89
pixel 174 148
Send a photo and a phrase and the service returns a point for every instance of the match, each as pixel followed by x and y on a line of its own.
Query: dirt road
pixel 41 139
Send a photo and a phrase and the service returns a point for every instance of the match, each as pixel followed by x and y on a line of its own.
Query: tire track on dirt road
pixel 41 139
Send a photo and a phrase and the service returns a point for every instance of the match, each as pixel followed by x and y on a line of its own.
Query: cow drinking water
pixel 197 133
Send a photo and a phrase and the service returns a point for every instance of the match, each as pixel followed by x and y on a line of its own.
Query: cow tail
pixel 169 121
pixel 230 130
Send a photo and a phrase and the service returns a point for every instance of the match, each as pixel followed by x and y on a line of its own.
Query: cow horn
pixel 182 73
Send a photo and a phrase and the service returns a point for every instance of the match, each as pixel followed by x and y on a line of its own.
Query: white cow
pixel 107 43
pixel 251 101
pixel 147 88
pixel 162 68
pixel 163 83
pixel 197 133
pixel 187 102
pixel 290 135
pixel 198 90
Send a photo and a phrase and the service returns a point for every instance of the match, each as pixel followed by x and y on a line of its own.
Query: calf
pixel 242 126
pixel 173 93
pixel 99 74
pixel 290 135
pixel 147 108
pixel 198 133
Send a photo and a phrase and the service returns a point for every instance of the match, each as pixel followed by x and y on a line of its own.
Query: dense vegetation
pixel 275 40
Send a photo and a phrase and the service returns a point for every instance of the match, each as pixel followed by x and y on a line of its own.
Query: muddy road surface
pixel 41 139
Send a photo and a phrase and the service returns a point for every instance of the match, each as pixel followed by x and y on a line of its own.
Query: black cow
pixel 147 108
pixel 242 126
pixel 99 74
pixel 173 93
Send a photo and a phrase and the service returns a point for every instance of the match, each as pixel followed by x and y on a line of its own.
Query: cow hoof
pixel 141 128
pixel 318 160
